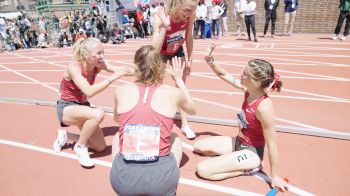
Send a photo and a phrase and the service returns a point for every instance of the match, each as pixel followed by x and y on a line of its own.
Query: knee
pixel 100 147
pixel 98 115
pixel 197 147
pixel 203 170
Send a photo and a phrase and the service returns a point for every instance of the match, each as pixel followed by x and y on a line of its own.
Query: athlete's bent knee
pixel 99 114
pixel 202 170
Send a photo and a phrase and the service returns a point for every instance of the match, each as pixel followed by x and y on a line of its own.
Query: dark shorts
pixel 61 104
pixel 236 145
pixel 179 53
pixel 156 178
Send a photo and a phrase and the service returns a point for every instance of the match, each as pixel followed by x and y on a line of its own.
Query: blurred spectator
pixel 63 39
pixel 223 18
pixel 270 14
pixel 291 7
pixel 80 34
pixel 201 15
pixel 239 13
pixel 116 34
pixel 344 8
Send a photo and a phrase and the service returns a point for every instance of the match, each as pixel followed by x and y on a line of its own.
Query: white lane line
pixel 35 70
pixel 211 74
pixel 29 78
pixel 261 176
pixel 279 70
pixel 213 103
pixel 321 97
pixel 337 100
pixel 291 188
pixel 278 119
pixel 203 185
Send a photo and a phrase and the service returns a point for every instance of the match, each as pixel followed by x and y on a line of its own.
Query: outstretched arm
pixel 91 90
pixel 185 101
pixel 160 22
pixel 266 115
pixel 219 71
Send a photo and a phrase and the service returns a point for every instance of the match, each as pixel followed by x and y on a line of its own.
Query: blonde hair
pixel 172 5
pixel 150 68
pixel 80 48
pixel 263 72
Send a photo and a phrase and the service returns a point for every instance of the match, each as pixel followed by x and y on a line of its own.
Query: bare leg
pixel 216 145
pixel 115 145
pixel 184 121
pixel 228 165
pixel 176 148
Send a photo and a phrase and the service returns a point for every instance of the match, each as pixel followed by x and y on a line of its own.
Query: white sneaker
pixel 336 37
pixel 83 156
pixel 60 141
pixel 343 38
pixel 188 132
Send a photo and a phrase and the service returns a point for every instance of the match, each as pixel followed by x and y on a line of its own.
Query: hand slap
pixel 176 69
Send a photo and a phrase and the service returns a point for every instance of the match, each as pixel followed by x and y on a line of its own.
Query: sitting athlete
pixel 243 154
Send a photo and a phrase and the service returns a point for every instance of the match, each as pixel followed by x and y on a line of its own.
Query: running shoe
pixel 188 132
pixel 343 38
pixel 60 141
pixel 83 155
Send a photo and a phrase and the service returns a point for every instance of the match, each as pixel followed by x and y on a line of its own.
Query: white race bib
pixel 242 121
pixel 141 142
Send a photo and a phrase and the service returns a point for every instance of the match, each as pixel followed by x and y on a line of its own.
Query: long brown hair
pixel 263 72
pixel 150 68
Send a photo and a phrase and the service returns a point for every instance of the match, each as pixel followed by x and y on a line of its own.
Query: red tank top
pixel 249 125
pixel 70 92
pixel 143 114
pixel 174 37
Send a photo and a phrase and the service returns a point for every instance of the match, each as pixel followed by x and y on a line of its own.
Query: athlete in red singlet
pixel 242 155
pixel 73 107
pixel 172 26
pixel 146 152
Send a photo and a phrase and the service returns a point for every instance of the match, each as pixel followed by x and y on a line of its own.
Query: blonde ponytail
pixel 80 48
pixel 172 5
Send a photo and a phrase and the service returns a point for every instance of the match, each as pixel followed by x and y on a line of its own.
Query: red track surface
pixel 316 76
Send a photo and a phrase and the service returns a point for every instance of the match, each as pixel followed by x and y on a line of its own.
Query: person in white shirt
pixel 249 18
pixel 239 14
pixel 216 12
pixel 223 18
pixel 201 15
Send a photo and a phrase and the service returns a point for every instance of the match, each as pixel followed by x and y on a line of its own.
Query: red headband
pixel 275 80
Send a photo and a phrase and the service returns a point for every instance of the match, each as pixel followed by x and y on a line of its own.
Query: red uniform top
pixel 174 37
pixel 249 125
pixel 143 114
pixel 70 92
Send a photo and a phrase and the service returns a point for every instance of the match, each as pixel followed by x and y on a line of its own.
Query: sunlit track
pixel 313 102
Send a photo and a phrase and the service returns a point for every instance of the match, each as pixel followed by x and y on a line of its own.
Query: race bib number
pixel 141 142
pixel 173 47
pixel 242 121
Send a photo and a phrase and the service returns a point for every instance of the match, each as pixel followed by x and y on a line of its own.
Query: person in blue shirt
pixel 290 11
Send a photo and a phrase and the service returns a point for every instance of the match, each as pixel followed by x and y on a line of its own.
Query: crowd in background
pixel 211 21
